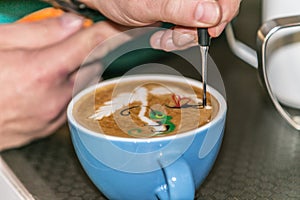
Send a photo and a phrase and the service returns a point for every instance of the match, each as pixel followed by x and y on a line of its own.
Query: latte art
pixel 145 109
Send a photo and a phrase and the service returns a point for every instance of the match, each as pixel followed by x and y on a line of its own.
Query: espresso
pixel 144 108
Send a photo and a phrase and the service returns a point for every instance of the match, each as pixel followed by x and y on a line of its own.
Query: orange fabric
pixel 46 13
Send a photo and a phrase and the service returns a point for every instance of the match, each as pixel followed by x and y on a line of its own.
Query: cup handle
pixel 180 183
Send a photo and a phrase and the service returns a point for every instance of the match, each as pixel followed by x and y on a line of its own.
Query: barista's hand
pixel 38 65
pixel 182 37
pixel 186 14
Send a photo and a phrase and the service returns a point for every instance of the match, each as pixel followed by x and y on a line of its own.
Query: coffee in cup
pixel 144 108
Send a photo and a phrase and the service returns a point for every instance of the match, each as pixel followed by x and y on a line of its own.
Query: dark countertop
pixel 259 157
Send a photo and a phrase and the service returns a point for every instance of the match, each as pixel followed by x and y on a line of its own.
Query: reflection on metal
pixel 264 34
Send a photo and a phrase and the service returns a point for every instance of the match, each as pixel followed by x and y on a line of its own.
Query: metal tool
pixel 204 42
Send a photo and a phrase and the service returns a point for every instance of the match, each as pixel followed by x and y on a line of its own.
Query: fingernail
pixel 156 43
pixel 69 20
pixel 207 12
pixel 156 39
pixel 185 39
pixel 169 44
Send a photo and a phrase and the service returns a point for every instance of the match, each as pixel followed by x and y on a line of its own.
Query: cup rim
pixel 221 100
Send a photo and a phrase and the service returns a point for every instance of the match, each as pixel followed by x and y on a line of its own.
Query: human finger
pixel 39 33
pixel 230 9
pixel 85 77
pixel 65 57
pixel 174 39
pixel 87 51
pixel 201 13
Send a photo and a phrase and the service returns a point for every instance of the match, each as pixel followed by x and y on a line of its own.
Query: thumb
pixel 202 13
pixel 190 13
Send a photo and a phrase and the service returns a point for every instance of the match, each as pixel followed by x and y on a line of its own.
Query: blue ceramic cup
pixel 166 168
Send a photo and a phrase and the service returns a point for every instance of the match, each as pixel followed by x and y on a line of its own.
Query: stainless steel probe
pixel 204 42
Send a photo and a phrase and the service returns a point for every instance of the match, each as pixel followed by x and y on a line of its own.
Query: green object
pixel 12 10
pixel 164 120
